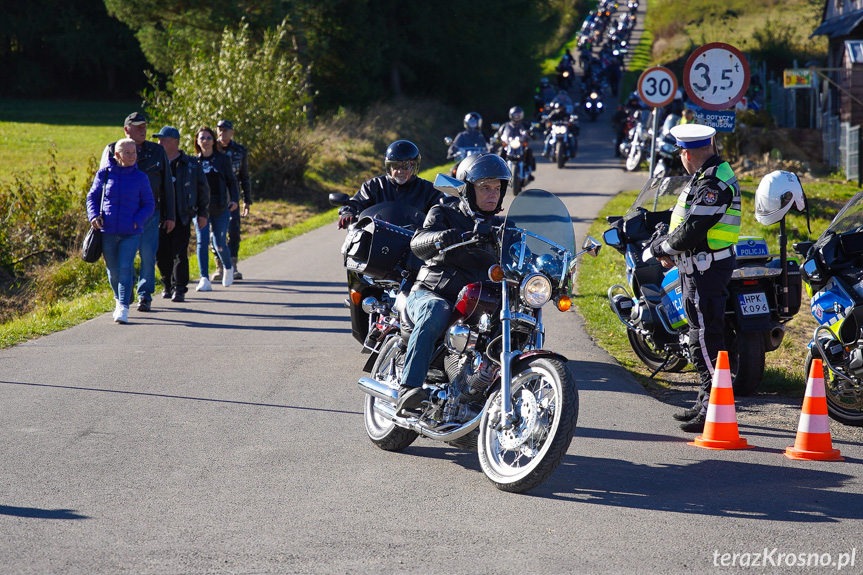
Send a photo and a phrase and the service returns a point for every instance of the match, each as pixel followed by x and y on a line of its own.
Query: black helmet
pixel 483 167
pixel 543 82
pixel 473 121
pixel 402 151
pixel 516 114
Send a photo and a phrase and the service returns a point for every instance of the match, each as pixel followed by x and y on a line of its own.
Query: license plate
pixel 753 303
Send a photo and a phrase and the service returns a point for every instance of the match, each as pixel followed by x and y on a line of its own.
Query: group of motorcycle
pixel 765 292
pixel 493 386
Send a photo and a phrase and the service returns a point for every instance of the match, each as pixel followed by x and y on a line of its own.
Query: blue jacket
pixel 128 199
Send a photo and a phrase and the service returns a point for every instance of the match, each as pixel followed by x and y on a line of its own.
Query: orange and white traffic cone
pixel 720 427
pixel 813 432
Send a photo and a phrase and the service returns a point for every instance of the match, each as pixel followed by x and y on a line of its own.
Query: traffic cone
pixel 813 433
pixel 720 429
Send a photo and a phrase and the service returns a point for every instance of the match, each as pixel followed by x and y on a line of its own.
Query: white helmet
pixel 775 194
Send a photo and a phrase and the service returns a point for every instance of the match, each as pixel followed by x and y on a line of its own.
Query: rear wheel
pixel 746 359
pixel 381 430
pixel 651 356
pixel 843 405
pixel 545 405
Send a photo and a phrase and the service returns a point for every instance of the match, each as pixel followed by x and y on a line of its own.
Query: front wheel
pixel 381 430
pixel 560 154
pixel 516 184
pixel 634 158
pixel 545 406
pixel 843 405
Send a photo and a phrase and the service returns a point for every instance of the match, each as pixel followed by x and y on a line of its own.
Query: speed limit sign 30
pixel 656 86
pixel 716 76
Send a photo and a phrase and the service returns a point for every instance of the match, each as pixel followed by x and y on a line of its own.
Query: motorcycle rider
pixel 564 99
pixel 705 225
pixel 544 94
pixel 443 275
pixel 517 127
pixel 559 113
pixel 470 137
pixel 400 183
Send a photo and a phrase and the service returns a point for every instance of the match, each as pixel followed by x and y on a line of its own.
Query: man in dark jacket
pixel 399 184
pixel 192 200
pixel 440 280
pixel 153 162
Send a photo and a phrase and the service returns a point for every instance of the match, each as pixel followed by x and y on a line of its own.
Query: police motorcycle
pixel 380 267
pixel 833 273
pixel 561 141
pixel 651 303
pixel 493 386
pixel 668 161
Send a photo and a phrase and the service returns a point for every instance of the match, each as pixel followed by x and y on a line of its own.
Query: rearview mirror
pixel 339 199
pixel 612 238
pixel 591 246
pixel 447 141
pixel 449 185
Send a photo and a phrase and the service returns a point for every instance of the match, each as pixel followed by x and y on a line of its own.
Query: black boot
pixel 410 399
pixel 687 414
pixel 694 425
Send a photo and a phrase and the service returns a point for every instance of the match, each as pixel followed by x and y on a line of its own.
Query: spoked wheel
pixel 382 431
pixel 844 404
pixel 545 405
pixel 652 357
pixel 634 158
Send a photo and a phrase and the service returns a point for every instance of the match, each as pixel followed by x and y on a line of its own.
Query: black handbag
pixel 91 251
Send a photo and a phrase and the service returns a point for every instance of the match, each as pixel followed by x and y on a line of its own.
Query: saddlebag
pixel 378 249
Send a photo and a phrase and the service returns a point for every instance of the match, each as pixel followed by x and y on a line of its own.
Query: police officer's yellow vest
pixel 726 231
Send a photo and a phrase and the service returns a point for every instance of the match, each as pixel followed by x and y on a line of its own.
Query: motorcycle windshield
pixel 850 218
pixel 660 194
pixel 547 242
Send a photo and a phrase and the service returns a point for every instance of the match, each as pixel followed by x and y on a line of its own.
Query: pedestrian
pixel 400 183
pixel 192 201
pixel 119 204
pixel 239 156
pixel 154 163
pixel 704 228
pixel 224 198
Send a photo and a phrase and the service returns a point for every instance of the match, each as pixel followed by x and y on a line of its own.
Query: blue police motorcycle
pixel 651 304
pixel 833 273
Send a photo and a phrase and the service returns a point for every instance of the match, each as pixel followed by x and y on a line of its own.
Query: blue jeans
pixel 147 251
pixel 431 315
pixel 119 253
pixel 219 237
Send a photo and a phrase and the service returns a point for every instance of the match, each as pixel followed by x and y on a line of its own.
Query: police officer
pixel 400 183
pixel 704 228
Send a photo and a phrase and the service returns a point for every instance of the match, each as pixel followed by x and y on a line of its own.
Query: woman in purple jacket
pixel 128 202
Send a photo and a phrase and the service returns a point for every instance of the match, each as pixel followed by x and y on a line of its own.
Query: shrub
pixel 260 89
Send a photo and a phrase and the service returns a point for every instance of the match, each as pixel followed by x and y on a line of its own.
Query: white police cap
pixel 693 135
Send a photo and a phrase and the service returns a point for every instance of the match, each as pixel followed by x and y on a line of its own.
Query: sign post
pixel 656 87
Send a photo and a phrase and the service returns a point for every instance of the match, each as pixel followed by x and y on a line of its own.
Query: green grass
pixel 76 131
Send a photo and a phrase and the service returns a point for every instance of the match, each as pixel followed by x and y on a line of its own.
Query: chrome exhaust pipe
pixel 378 390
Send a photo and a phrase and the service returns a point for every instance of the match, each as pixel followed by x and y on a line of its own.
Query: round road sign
pixel 656 86
pixel 716 76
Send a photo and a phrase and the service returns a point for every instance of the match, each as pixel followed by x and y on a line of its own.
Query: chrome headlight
pixel 535 290
pixel 558 129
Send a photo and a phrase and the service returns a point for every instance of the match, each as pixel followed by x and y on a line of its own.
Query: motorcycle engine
pixel 470 375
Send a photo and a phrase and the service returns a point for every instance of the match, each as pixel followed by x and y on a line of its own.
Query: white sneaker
pixel 122 316
pixel 204 285
pixel 228 277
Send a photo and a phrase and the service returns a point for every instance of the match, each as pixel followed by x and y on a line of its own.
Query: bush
pixel 260 89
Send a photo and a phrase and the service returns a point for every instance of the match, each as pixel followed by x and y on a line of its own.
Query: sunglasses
pixel 407 165
pixel 204 138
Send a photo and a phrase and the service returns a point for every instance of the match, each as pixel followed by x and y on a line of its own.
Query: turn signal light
pixel 564 303
pixel 495 273
pixel 356 297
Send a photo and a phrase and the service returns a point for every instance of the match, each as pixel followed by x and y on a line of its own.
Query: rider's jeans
pixel 430 314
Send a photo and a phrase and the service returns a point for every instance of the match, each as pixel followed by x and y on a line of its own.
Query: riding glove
pixel 346 220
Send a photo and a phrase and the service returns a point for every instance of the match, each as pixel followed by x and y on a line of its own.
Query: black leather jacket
pixel 446 274
pixel 417 192
pixel 191 189
pixel 240 160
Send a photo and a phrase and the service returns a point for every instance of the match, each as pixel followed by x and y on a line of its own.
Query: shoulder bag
pixel 91 251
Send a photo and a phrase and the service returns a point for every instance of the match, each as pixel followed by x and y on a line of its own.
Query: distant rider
pixel 470 137
pixel 400 183
pixel 517 128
